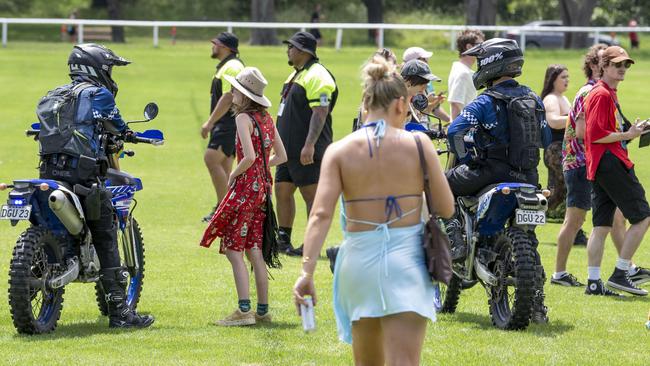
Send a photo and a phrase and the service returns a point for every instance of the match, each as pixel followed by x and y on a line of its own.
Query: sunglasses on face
pixel 290 46
pixel 625 64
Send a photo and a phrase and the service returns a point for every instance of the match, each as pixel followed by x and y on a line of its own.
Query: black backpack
pixel 56 112
pixel 524 127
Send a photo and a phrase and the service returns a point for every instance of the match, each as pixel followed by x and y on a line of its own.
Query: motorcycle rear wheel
pixel 512 298
pixel 136 275
pixel 35 309
pixel 450 296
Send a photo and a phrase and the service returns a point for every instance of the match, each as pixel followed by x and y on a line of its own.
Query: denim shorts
pixel 578 188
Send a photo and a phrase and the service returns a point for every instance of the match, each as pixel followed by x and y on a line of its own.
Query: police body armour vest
pixel 525 138
pixel 57 112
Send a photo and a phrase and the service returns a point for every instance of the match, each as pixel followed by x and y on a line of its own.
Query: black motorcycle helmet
pixel 496 57
pixel 94 63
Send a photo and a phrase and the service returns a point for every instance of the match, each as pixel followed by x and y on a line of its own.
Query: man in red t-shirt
pixel 612 176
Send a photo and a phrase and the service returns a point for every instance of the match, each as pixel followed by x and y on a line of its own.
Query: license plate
pixel 530 217
pixel 15 212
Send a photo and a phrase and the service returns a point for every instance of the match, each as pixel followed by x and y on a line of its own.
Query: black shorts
pixel 616 186
pixel 223 135
pixel 300 175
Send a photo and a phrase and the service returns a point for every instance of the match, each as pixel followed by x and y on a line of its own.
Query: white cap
pixel 413 53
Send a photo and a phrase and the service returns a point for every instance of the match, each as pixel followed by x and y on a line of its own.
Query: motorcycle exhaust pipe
pixel 65 211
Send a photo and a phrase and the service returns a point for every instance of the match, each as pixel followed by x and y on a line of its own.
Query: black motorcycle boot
pixel 284 242
pixel 454 229
pixel 119 313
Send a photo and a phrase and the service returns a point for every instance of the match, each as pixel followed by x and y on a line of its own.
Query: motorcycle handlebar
pixel 435 134
pixel 132 138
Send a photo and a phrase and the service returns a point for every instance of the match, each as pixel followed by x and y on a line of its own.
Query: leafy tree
pixel 375 15
pixel 263 11
pixel 481 12
pixel 114 10
pixel 14 7
pixel 576 13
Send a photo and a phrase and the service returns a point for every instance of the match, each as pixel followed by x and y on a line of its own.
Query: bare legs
pixel 573 221
pixel 631 242
pixel 240 273
pixel 219 166
pixel 286 204
pixel 392 340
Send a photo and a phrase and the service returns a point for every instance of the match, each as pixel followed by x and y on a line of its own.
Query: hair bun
pixel 377 69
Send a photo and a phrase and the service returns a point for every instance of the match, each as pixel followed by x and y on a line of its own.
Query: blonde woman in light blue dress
pixel 382 293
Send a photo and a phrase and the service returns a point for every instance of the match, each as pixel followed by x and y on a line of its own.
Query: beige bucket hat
pixel 251 83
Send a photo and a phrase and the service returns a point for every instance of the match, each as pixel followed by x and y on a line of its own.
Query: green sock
pixel 245 305
pixel 262 309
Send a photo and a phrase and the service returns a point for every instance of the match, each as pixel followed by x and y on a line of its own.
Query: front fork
pixel 131 259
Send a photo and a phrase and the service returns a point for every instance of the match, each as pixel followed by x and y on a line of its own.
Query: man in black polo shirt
pixel 305 125
pixel 220 126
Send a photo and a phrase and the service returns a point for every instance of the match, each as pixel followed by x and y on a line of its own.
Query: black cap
pixel 303 41
pixel 229 40
pixel 418 68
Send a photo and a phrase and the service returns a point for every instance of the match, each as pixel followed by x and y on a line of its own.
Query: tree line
pixel 474 12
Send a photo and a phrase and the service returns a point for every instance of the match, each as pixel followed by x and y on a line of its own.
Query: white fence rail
pixel 380 28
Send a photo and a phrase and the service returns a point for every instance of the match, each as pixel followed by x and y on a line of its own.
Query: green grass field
pixel 188 287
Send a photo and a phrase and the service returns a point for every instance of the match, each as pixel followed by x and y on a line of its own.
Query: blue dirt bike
pixel 500 247
pixel 501 251
pixel 57 248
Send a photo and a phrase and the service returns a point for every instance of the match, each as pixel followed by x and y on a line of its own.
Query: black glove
pixel 129 136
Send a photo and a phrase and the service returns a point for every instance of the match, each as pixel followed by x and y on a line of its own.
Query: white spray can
pixel 307 314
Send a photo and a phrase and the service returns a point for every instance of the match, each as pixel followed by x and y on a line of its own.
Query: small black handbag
pixel 270 244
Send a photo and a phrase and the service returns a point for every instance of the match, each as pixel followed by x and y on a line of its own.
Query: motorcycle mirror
pixel 150 111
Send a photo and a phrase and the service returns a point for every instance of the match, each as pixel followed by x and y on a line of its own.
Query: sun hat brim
pixel 261 100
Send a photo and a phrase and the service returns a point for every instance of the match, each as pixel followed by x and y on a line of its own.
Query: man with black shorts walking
pixel 221 125
pixel 305 126
pixel 612 176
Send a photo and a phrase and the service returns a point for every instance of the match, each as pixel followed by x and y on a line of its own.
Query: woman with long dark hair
pixel 557 105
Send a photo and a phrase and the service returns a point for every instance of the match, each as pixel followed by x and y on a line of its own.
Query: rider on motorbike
pixel 96 114
pixel 490 144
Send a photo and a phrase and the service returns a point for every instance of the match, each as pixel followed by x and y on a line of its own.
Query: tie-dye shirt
pixel 573 148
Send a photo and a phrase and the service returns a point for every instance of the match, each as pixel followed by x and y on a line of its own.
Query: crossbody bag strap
pixel 425 173
pixel 259 131
pixel 626 122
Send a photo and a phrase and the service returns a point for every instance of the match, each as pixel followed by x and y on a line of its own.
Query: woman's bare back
pixel 371 173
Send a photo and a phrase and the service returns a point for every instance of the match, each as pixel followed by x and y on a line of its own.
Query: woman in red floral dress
pixel 239 219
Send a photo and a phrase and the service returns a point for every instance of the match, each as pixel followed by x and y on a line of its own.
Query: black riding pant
pixel 104 232
pixel 469 179
pixel 103 229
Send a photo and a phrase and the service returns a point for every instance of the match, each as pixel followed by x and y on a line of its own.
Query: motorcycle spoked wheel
pixel 136 276
pixel 512 298
pixel 450 296
pixel 35 309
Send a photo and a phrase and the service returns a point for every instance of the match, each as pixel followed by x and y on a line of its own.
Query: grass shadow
pixel 265 325
pixel 479 321
pixel 80 330
pixel 278 325
pixel 552 329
